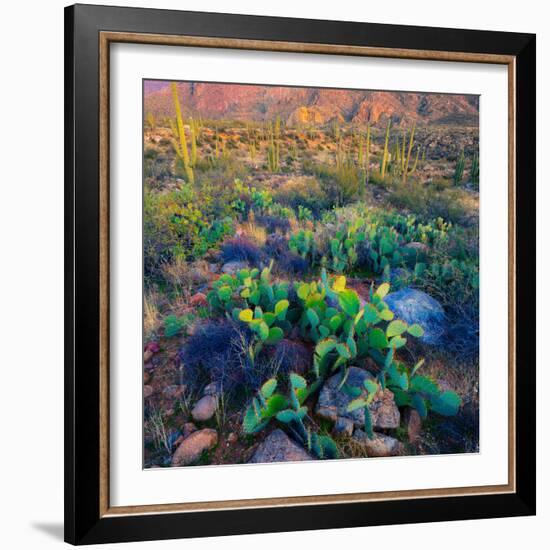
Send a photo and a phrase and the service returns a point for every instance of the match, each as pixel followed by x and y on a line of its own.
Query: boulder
pixel 415 306
pixel 381 445
pixel 204 408
pixel 333 402
pixel 278 447
pixel 192 447
pixel 231 268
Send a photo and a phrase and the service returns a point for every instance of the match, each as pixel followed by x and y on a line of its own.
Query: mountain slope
pixel 310 105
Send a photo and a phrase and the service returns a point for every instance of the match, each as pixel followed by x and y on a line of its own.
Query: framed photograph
pixel 300 274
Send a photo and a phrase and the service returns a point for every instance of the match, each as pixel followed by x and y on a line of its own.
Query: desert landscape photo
pixel 311 273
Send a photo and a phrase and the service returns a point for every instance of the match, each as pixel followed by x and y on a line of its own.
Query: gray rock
pixel 343 426
pixel 381 444
pixel 192 447
pixel 415 306
pixel 278 447
pixel 231 268
pixel 333 402
pixel 204 408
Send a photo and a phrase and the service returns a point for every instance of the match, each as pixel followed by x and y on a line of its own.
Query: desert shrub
pixel 293 264
pixel 276 245
pixel 273 223
pixel 340 183
pixel 293 356
pixel 280 211
pixel 303 191
pixel 427 202
pixel 219 352
pixel 240 249
pixel 175 227
pixel 375 178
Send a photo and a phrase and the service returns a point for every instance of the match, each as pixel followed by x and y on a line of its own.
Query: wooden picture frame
pixel 89 32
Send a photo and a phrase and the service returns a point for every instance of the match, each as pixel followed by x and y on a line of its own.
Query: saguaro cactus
pixel 181 147
pixel 459 169
pixel 411 143
pixel 385 154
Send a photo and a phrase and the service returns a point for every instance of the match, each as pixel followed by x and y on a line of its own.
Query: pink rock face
pixel 192 447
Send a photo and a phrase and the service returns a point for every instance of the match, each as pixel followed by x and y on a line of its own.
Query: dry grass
pixel 151 314
pixel 185 277
pixel 155 429
pixel 256 233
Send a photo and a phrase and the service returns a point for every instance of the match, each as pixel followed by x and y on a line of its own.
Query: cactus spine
pixel 181 148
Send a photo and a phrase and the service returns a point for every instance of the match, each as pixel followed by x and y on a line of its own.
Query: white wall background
pixel 31 293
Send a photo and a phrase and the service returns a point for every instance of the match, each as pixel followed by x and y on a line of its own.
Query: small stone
pixel 188 429
pixel 198 300
pixel 192 447
pixel 232 437
pixel 333 402
pixel 413 424
pixel 147 355
pixel 153 347
pixel 146 377
pixel 147 391
pixel 278 447
pixel 204 408
pixel 231 268
pixel 343 426
pixel 381 445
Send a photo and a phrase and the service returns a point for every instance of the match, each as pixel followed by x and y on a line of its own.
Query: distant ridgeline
pixel 310 106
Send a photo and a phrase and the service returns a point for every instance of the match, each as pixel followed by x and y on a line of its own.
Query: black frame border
pixel 83 523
